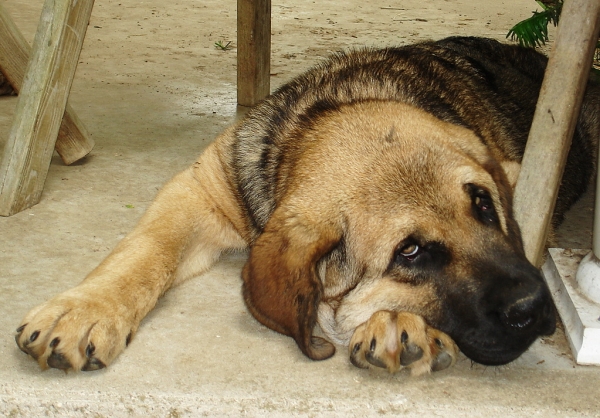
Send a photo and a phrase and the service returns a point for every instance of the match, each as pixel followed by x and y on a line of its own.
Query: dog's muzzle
pixel 514 309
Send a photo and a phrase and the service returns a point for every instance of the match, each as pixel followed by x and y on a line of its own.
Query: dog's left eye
pixel 483 205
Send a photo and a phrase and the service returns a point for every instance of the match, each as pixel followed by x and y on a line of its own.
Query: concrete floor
pixel 154 91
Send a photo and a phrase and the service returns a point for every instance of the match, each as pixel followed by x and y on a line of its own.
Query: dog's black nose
pixel 529 309
pixel 520 315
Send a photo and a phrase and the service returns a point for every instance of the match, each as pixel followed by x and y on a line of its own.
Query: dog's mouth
pixel 497 322
pixel 501 344
pixel 493 354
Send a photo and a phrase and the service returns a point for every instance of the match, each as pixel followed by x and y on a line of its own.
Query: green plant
pixel 223 47
pixel 533 32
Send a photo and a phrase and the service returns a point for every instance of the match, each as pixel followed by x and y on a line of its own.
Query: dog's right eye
pixel 407 253
pixel 411 253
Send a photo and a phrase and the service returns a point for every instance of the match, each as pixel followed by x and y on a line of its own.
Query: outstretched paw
pixel 396 340
pixel 75 331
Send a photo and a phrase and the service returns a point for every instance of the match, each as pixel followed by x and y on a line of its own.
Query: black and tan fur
pixel 374 193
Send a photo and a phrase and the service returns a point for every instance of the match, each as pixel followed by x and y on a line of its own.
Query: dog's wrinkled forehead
pixel 430 184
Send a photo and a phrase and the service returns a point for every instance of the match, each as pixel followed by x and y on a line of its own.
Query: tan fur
pixel 193 214
pixel 386 328
pixel 197 216
pixel 368 208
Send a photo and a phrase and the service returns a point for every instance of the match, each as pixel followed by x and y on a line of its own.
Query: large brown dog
pixel 374 193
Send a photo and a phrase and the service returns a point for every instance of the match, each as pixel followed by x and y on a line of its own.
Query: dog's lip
pixel 494 351
pixel 491 356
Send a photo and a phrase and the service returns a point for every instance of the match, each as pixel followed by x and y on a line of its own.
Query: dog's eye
pixel 483 205
pixel 407 252
pixel 410 251
pixel 413 253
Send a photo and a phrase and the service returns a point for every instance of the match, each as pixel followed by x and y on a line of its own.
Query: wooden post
pixel 73 142
pixel 554 122
pixel 41 103
pixel 253 50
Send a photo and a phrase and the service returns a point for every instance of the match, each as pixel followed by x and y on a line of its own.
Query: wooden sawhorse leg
pixel 253 50
pixel 73 142
pixel 42 102
pixel 554 123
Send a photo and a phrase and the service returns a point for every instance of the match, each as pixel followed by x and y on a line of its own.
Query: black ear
pixel 281 286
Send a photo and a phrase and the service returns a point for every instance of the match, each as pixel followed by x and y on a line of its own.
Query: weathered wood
pixel 14 50
pixel 554 122
pixel 596 227
pixel 42 101
pixel 73 142
pixel 253 50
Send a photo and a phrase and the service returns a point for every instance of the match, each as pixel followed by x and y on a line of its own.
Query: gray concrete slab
pixel 154 91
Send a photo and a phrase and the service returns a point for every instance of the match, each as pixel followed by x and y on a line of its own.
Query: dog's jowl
pixel 374 193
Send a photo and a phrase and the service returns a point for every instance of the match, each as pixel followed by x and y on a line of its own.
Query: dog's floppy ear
pixel 281 286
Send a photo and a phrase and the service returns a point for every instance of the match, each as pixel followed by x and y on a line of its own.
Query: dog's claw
pixel 354 356
pixel 34 336
pixel 18 336
pixel 54 342
pixel 444 351
pixel 93 364
pixel 410 354
pixel 24 346
pixel 441 362
pixel 58 361
pixel 373 345
pixel 90 349
pixel 375 361
pixel 371 357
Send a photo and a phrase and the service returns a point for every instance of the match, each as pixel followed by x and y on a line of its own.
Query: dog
pixel 374 194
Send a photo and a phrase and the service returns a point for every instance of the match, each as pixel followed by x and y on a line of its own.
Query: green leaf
pixel 533 32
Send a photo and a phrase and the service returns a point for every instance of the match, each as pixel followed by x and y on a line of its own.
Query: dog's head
pixel 390 209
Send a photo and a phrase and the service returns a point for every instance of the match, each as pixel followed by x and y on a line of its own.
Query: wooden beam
pixel 554 122
pixel 253 50
pixel 73 142
pixel 42 101
pixel 14 50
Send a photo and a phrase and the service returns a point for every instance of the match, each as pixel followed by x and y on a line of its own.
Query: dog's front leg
pixel 397 340
pixel 86 327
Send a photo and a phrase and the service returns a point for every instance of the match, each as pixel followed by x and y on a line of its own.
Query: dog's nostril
pixel 517 321
pixel 518 317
